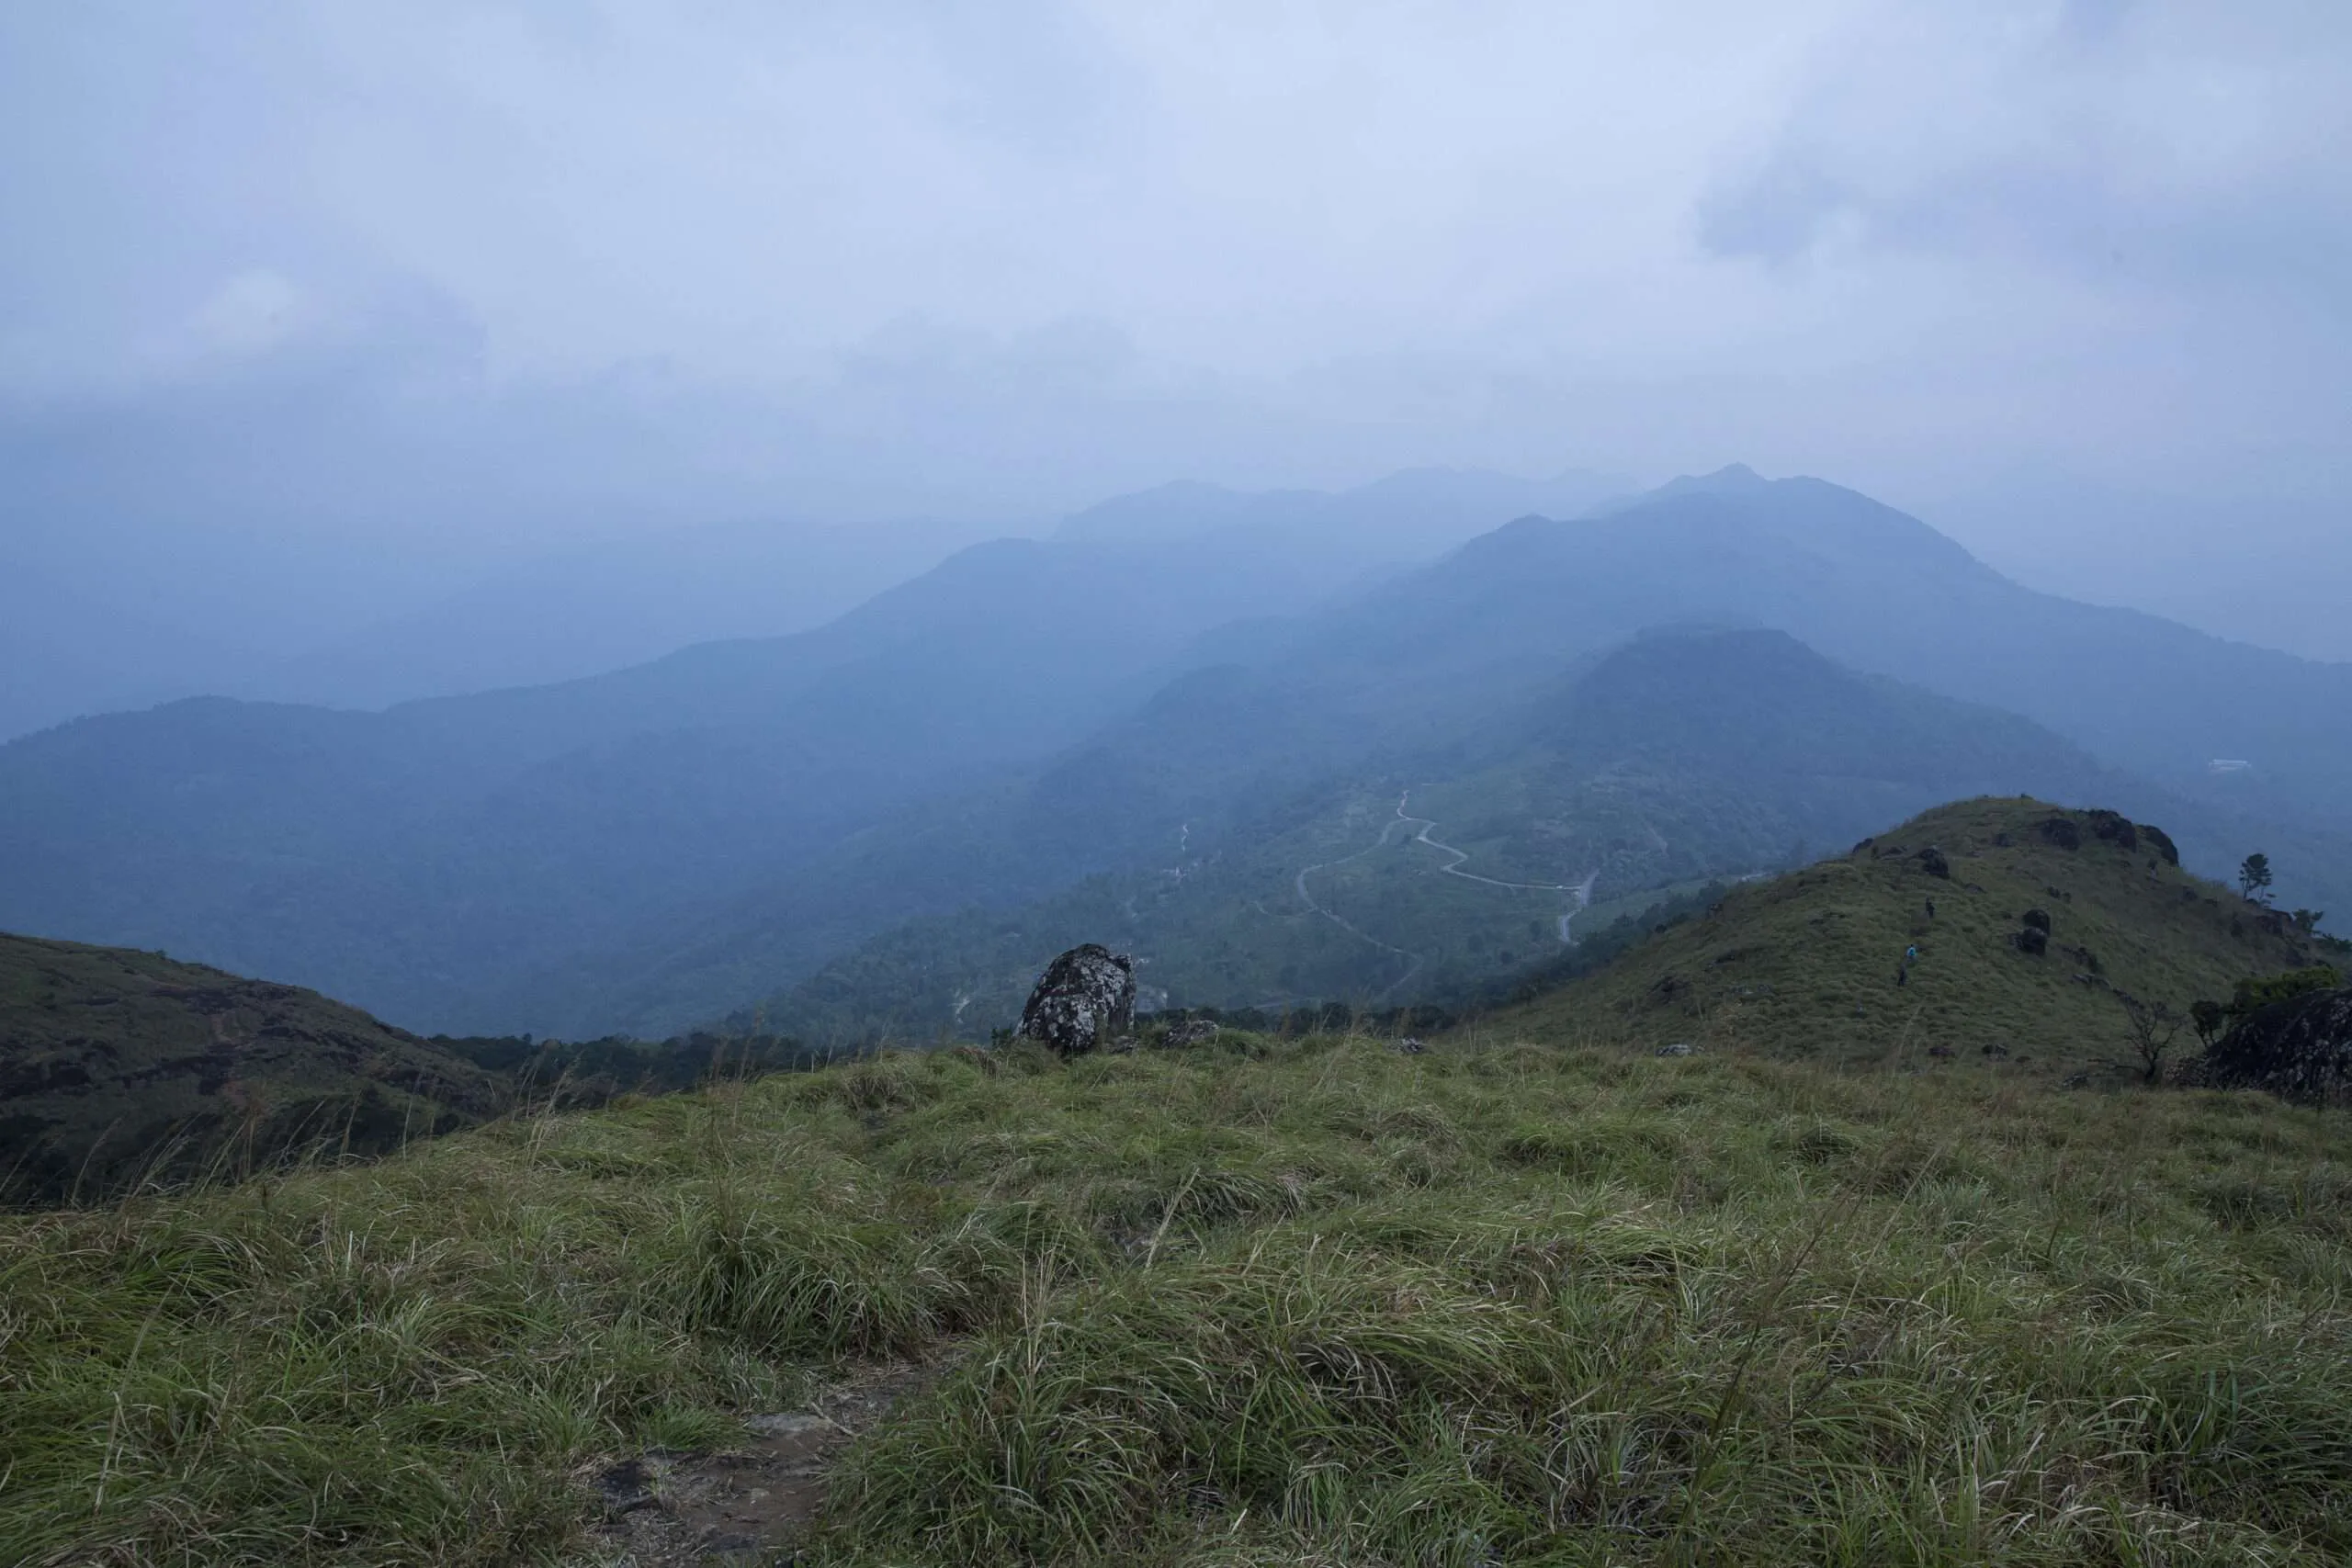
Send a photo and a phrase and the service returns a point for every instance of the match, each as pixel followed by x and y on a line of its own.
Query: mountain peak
pixel 1733 479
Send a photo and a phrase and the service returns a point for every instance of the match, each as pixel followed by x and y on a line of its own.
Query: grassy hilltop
pixel 1805 964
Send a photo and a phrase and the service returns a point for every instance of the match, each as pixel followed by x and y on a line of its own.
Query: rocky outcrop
pixel 1086 1000
pixel 2114 827
pixel 2299 1049
pixel 1932 862
pixel 1187 1032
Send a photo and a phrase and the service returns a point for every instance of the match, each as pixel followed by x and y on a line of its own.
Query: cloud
pixel 248 316
pixel 867 256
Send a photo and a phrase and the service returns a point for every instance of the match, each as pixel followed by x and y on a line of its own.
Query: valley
pixel 1021 730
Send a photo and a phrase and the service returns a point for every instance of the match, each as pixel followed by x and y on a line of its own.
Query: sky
pixel 372 297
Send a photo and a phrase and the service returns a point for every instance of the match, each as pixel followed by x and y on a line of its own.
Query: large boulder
pixel 1086 1000
pixel 2299 1049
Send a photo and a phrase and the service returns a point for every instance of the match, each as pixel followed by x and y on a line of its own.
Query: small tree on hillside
pixel 2254 876
pixel 2208 1017
pixel 2152 1027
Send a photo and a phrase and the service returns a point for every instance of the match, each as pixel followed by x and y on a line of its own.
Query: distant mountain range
pixel 1152 696
pixel 79 642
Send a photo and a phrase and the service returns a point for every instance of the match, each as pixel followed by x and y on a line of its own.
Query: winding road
pixel 1580 891
pixel 1583 893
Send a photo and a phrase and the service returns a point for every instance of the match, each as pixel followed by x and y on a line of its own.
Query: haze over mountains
pixel 77 641
pixel 1186 683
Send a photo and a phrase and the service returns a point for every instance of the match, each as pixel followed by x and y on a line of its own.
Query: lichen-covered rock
pixel 1085 999
pixel 2299 1049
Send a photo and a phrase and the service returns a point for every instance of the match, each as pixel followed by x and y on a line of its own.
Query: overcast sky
pixel 443 273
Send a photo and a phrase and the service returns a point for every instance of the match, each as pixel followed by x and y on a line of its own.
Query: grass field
pixel 1314 1302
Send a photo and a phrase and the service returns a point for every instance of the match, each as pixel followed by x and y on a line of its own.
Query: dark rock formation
pixel 2114 827
pixel 2161 841
pixel 1932 862
pixel 2062 833
pixel 2038 918
pixel 1188 1031
pixel 1086 999
pixel 2299 1049
pixel 2032 941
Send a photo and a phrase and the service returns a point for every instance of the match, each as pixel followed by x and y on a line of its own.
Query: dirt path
pixel 749 1504
pixel 1580 891
pixel 1452 867
pixel 1413 960
pixel 1583 894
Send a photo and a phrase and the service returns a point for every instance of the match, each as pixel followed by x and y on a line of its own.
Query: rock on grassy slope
pixel 116 1063
pixel 1247 1304
pixel 1807 964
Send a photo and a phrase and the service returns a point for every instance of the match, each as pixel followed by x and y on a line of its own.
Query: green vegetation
pixel 2038 929
pixel 2256 992
pixel 1442 875
pixel 1508 1302
pixel 118 1066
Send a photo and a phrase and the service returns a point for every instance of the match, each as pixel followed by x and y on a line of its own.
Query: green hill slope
pixel 1438 874
pixel 115 1064
pixel 1807 964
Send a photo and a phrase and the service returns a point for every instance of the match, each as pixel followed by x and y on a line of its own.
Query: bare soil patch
pixel 749 1504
